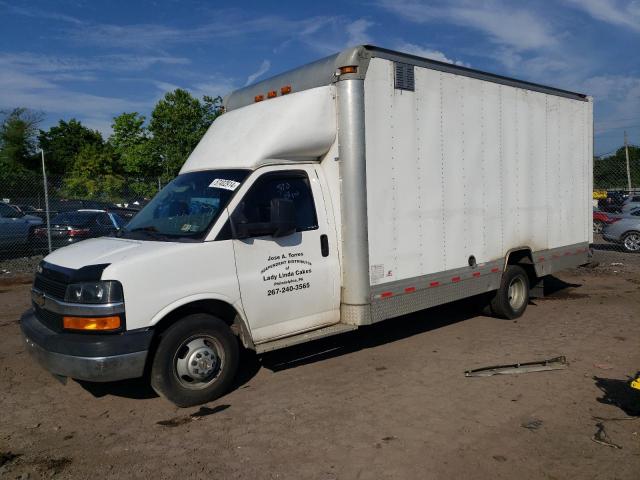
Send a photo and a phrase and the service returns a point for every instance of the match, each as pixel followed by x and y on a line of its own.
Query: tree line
pixel 129 163
pixel 611 172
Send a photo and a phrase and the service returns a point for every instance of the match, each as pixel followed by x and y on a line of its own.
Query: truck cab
pixel 242 244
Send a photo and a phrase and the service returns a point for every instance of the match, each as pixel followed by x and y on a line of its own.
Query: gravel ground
pixel 388 401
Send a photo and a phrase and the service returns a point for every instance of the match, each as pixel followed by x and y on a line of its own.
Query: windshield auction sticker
pixel 287 272
pixel 225 184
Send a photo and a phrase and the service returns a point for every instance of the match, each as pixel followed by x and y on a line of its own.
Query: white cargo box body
pixel 461 167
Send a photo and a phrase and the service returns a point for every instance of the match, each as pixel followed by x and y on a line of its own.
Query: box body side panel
pixel 462 167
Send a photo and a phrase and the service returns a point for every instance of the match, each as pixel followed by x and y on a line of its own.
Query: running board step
pixel 305 337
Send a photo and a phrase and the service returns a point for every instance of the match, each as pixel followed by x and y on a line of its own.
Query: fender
pixel 240 324
pixel 529 258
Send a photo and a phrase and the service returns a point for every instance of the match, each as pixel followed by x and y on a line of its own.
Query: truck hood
pixel 104 250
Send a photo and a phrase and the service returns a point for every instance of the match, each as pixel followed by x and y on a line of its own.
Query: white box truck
pixel 358 188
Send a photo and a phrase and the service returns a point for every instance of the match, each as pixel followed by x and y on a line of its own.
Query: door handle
pixel 324 245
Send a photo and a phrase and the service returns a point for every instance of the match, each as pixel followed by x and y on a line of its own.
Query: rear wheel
pixel 512 298
pixel 631 242
pixel 196 360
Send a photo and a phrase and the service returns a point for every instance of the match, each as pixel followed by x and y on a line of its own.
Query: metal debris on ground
pixel 557 363
pixel 602 438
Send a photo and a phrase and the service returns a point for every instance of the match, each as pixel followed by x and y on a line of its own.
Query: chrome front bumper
pixel 91 357
pixel 93 369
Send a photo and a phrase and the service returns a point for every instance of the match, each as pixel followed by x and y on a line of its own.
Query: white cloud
pixel 262 69
pixel 58 64
pixel 37 13
pixel 624 13
pixel 502 22
pixel 357 32
pixel 428 53
pixel 37 93
pixel 617 100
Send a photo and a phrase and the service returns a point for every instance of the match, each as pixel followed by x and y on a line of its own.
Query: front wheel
pixel 512 297
pixel 631 242
pixel 196 360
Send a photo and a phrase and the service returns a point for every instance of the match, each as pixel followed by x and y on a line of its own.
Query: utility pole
pixel 626 151
pixel 46 201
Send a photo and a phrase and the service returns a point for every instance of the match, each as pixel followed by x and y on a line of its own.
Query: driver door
pixel 289 284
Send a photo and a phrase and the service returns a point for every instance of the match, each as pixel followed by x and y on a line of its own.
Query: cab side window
pixel 255 207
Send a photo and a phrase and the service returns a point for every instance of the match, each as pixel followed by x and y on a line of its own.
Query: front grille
pixel 49 319
pixel 50 287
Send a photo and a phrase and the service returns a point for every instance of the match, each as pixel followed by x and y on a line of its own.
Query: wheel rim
pixel 198 362
pixel 632 242
pixel 597 227
pixel 517 293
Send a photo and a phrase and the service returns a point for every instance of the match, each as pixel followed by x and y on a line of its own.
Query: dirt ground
pixel 388 401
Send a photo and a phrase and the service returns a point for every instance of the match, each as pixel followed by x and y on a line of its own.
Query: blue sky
pixel 93 60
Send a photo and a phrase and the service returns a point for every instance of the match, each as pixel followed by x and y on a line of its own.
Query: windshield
pixel 187 206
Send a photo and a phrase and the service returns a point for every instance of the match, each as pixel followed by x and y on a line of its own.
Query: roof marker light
pixel 272 94
pixel 286 89
pixel 258 98
pixel 348 69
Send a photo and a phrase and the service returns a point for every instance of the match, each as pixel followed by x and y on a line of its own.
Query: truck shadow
pixel 135 388
pixel 374 335
pixel 316 351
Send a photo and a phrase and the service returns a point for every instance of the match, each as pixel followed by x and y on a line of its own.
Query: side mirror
pixel 283 217
pixel 282 221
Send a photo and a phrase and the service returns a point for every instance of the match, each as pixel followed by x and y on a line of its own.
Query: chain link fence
pixel 616 205
pixel 37 217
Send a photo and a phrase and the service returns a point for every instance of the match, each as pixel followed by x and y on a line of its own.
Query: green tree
pixel 611 172
pixel 95 174
pixel 62 142
pixel 137 154
pixel 178 122
pixel 18 151
pixel 130 141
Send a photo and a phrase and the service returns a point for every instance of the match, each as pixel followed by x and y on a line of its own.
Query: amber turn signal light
pixel 89 323
pixel 286 89
pixel 348 69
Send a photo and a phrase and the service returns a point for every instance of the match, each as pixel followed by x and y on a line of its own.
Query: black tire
pixel 204 378
pixel 509 305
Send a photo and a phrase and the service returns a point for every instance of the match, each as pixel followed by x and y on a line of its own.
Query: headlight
pixel 108 291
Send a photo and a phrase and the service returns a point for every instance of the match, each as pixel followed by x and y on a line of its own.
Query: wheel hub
pixel 201 362
pixel 516 293
pixel 197 362
pixel 632 242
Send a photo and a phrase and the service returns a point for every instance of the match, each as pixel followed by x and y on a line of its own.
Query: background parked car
pixel 15 229
pixel 72 227
pixel 625 231
pixel 614 201
pixel 630 203
pixel 601 219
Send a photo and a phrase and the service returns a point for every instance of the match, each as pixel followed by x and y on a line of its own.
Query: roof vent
pixel 404 79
